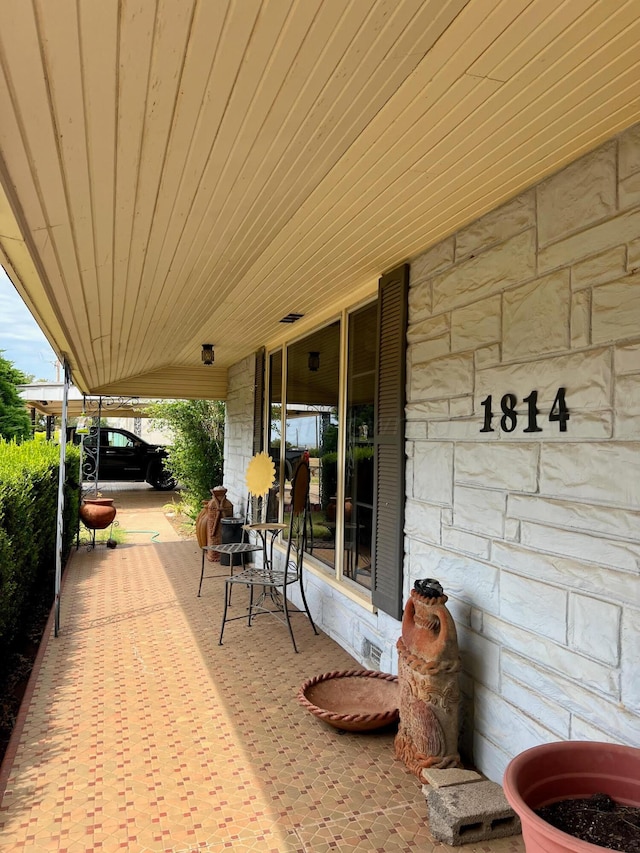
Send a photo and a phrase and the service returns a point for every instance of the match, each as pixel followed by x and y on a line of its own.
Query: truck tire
pixel 161 479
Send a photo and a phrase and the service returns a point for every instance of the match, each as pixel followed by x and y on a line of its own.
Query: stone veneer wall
pixel 535 537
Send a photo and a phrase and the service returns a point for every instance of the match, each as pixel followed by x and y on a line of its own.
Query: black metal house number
pixel 559 412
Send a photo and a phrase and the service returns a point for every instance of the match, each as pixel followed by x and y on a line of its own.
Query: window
pixel 312 424
pixel 343 404
pixel 359 457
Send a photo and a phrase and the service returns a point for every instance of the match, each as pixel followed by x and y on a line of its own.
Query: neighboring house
pixel 522 469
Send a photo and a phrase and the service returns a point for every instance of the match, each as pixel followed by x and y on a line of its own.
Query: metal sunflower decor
pixel 261 473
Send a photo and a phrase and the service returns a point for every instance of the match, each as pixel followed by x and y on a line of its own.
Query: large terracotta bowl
pixel 354 700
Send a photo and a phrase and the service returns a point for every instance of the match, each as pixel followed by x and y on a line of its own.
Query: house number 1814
pixel 559 412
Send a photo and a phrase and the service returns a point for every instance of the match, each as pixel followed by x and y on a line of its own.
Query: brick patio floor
pixel 139 732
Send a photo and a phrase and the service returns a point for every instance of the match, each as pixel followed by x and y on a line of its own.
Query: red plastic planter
pixel 559 771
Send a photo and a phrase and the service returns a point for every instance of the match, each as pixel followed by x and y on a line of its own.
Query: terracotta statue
pixel 217 509
pixel 428 666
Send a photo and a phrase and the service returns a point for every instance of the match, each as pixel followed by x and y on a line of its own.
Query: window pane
pixel 361 383
pixel 313 377
pixel 273 443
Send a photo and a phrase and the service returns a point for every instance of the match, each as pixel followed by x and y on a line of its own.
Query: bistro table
pixel 268 532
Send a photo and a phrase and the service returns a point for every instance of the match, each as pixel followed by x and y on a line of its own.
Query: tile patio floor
pixel 139 733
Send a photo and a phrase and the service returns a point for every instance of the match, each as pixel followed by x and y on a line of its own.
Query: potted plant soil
pixel 595 786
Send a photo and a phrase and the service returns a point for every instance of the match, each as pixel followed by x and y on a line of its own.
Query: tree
pixel 14 419
pixel 196 455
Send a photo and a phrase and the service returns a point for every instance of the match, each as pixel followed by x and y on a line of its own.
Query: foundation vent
pixel 371 653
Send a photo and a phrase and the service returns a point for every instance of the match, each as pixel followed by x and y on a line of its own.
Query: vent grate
pixel 291 318
pixel 371 653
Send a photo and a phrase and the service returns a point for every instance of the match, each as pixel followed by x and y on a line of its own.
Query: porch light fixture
pixel 207 354
pixel 314 361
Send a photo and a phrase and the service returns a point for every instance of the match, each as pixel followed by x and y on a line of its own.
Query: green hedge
pixel 28 510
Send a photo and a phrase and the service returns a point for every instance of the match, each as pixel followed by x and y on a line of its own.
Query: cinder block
pixel 462 814
pixel 445 778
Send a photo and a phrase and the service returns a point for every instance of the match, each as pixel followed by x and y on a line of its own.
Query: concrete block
pixel 435 778
pixel 470 813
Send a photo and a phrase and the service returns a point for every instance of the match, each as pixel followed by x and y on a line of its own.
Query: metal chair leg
pixel 306 607
pixel 286 614
pixel 201 574
pixel 227 593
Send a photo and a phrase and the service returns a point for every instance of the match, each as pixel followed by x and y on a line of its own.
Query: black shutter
pixel 258 404
pixel 389 491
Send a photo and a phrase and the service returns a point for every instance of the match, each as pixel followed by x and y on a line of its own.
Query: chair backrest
pixel 298 520
pixel 300 487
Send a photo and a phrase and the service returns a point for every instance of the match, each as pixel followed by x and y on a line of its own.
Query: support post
pixel 61 480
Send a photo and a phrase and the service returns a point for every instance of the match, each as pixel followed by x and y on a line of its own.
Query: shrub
pixel 28 512
pixel 196 455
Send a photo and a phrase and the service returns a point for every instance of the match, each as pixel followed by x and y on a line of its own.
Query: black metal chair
pixel 268 582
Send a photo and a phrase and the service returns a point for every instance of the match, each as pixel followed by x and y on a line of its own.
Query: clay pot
pixel 568 770
pixel 97 513
pixel 330 511
pixel 201 525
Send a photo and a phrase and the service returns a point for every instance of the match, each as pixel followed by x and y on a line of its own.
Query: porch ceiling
pixel 183 171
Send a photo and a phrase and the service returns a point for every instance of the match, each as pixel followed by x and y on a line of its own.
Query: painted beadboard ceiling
pixel 179 172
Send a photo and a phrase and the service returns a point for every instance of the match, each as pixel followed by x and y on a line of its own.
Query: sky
pixel 20 337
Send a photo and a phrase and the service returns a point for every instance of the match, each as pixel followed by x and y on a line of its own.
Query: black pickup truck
pixel 125 456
